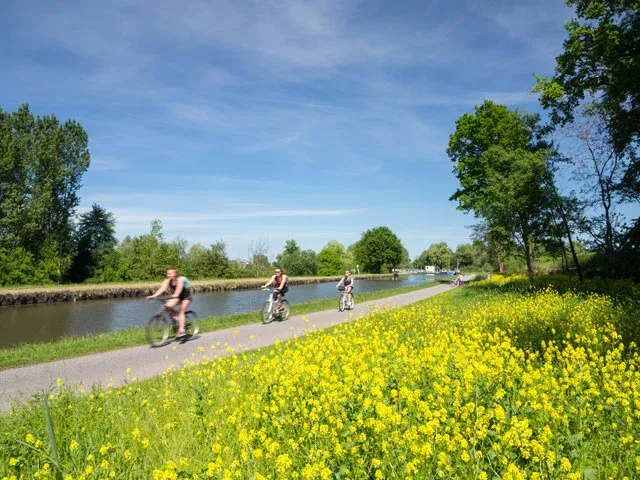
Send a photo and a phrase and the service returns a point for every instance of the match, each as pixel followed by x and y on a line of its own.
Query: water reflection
pixel 40 323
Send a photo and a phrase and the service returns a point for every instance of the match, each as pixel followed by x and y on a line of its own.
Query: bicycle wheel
pixel 266 315
pixel 342 303
pixel 192 324
pixel 158 330
pixel 284 311
pixel 352 302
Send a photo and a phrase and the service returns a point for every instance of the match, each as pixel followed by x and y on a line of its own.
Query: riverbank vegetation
pixel 490 380
pixel 72 293
pixel 75 346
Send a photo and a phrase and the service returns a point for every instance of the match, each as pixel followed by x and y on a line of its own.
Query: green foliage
pixel 601 58
pixel 473 255
pixel 378 248
pixel 296 261
pixel 207 263
pixel 95 238
pixel 17 267
pixel 330 262
pixel 41 165
pixel 439 254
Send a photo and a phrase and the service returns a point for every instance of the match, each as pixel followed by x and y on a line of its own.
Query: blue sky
pixel 268 120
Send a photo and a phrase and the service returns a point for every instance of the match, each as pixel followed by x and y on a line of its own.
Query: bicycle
pixel 345 303
pixel 164 324
pixel 268 313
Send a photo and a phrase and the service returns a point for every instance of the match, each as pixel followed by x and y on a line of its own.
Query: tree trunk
pixel 529 256
pixel 565 260
pixel 565 223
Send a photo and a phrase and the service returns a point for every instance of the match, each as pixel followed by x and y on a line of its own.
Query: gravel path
pixel 19 384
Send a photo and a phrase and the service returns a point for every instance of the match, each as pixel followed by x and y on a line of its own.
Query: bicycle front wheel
pixel 266 314
pixel 158 330
pixel 342 303
pixel 192 324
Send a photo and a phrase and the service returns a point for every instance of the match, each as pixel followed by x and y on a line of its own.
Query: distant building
pixel 430 269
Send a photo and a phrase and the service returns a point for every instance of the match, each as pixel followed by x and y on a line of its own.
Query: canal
pixel 48 322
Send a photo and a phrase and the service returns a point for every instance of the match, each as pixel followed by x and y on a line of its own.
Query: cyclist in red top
pixel 280 280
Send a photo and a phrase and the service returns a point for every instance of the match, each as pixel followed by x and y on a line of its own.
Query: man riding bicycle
pixel 181 296
pixel 280 280
pixel 347 283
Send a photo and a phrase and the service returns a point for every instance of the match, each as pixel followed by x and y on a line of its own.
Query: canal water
pixel 48 322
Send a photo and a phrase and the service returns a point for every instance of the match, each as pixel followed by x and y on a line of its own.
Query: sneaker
pixel 181 337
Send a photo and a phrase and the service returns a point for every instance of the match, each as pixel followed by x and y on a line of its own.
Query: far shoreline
pixel 80 292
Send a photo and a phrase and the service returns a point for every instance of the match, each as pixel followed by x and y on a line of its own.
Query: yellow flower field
pixel 476 384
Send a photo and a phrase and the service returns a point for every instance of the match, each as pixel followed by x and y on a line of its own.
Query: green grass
pixel 33 353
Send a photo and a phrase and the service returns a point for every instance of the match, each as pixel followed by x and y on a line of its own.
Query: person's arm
pixel 341 281
pixel 269 282
pixel 161 290
pixel 179 287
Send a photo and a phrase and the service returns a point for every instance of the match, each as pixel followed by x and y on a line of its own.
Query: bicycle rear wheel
pixel 352 302
pixel 192 324
pixel 158 330
pixel 266 314
pixel 284 310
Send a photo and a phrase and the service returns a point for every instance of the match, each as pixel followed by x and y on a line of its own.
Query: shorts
pixel 185 295
pixel 281 291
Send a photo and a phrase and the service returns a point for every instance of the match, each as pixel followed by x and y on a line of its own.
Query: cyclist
pixel 347 283
pixel 181 296
pixel 280 280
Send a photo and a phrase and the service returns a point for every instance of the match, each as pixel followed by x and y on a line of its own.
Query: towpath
pixel 20 384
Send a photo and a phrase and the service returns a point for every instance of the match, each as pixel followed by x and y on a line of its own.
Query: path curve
pixel 20 384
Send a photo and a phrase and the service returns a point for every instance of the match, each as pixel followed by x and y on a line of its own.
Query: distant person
pixel 459 280
pixel 395 274
pixel 181 296
pixel 347 283
pixel 280 280
pixel 488 276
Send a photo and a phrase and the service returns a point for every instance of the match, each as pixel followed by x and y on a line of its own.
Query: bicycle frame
pixel 270 310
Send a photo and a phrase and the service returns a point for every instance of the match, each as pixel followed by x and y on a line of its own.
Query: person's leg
pixel 170 304
pixel 182 319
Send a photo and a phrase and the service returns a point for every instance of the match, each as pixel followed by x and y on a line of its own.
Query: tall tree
pixel 329 262
pixel 95 238
pixel 331 259
pixel 259 257
pixel 379 247
pixel 503 170
pixel 439 254
pixel 41 166
pixel 600 169
pixel 296 261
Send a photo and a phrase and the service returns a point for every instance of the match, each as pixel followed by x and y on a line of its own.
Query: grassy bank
pixel 75 346
pixel 482 382
pixel 75 292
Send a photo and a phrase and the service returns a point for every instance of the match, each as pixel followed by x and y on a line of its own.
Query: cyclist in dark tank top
pixel 181 295
pixel 347 283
